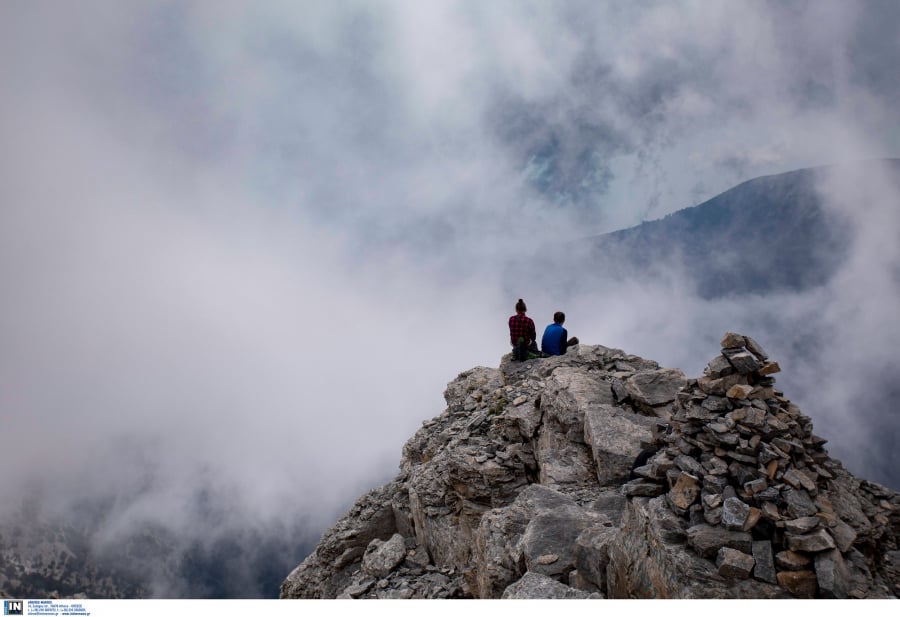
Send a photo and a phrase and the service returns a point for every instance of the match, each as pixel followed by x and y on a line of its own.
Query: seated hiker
pixel 522 335
pixel 555 340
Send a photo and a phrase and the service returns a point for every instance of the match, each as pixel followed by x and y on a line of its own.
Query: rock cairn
pixel 760 494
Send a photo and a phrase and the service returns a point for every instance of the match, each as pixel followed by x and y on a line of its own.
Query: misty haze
pixel 244 248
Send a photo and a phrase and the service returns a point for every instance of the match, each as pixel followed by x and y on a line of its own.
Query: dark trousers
pixel 520 351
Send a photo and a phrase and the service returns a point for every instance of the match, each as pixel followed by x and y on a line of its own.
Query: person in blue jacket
pixel 555 340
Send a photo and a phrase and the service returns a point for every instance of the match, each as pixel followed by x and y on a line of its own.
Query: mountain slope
pixel 522 488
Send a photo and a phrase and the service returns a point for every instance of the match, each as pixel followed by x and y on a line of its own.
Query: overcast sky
pixel 246 245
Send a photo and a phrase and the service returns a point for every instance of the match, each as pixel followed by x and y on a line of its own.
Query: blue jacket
pixel 553 343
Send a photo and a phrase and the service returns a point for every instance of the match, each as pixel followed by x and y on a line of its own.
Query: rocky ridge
pixel 524 487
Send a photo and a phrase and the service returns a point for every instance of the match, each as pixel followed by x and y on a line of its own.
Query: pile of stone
pixel 742 465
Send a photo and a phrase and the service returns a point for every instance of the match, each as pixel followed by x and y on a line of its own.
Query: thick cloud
pixel 242 248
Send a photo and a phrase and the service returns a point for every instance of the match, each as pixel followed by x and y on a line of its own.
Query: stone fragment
pixel 734 564
pixel 654 388
pixel 770 511
pixel 418 557
pixel 620 393
pixel 811 543
pixel 718 367
pixel 756 486
pixel 798 479
pixel 791 560
pixel 769 368
pixel 520 400
pixel 734 514
pixel 357 589
pixel 739 391
pixel 732 340
pixel 755 348
pixel 642 488
pixel 716 404
pixel 706 540
pixel 742 473
pixel 718 387
pixel 534 586
pixel 685 492
pixel 381 557
pixel 801 583
pixel 798 503
pixel 699 413
pixel 713 516
pixel 764 569
pixel 754 417
pixel 752 519
pixel 762 393
pixel 743 362
pixel 690 465
pixel 712 500
pixel 546 560
pixel 592 554
pixel 844 535
pixel 833 575
pixel 799 526
pixel 716 467
pixel 614 441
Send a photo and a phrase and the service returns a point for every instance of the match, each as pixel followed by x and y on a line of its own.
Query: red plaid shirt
pixel 520 325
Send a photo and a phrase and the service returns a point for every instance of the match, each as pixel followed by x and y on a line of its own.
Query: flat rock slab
pixel 764 569
pixel 812 542
pixel 707 540
pixel 534 586
pixel 654 388
pixel 734 564
pixel 382 557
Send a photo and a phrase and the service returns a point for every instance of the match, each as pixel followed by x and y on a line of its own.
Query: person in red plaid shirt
pixel 522 334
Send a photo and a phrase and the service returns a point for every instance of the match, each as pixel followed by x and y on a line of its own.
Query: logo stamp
pixel 13 607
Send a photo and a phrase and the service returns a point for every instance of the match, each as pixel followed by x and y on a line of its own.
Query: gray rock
pixel 707 540
pixel 790 560
pixel 498 556
pixel 811 543
pixel 798 503
pixel 800 480
pixel 642 488
pixel 620 392
pixel 734 564
pixel 534 586
pixel 755 348
pixel 718 367
pixel 743 362
pixel 614 440
pixel 718 387
pixel 549 541
pixel 684 493
pixel 382 557
pixel 649 389
pixel 690 465
pixel 592 554
pixel 718 404
pixel 843 534
pixel 802 583
pixel 732 340
pixel 800 526
pixel 764 569
pixel 833 575
pixel 734 514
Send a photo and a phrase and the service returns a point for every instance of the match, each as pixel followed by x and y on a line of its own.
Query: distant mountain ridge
pixel 768 234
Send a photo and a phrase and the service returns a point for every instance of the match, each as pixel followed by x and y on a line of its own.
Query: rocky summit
pixel 600 474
